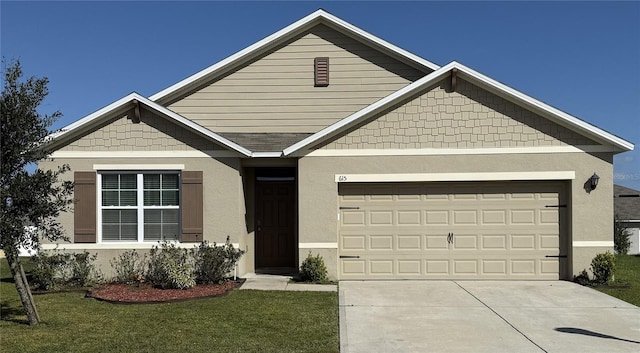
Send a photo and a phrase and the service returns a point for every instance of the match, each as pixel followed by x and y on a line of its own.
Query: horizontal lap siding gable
pixel 276 93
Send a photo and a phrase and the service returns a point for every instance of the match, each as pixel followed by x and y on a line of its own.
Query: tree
pixel 621 234
pixel 29 201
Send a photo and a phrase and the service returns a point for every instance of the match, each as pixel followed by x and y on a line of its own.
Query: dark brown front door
pixel 275 224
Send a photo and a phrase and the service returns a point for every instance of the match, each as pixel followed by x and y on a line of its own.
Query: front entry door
pixel 275 224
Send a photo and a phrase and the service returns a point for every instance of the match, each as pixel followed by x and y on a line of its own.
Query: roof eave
pixel 120 106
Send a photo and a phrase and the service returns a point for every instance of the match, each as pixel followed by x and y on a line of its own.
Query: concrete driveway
pixel 483 316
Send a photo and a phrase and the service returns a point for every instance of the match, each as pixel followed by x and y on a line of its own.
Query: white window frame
pixel 140 207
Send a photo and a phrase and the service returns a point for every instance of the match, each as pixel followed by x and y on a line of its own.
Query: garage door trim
pixel 417 177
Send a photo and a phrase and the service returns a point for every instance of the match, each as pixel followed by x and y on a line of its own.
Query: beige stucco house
pixel 325 138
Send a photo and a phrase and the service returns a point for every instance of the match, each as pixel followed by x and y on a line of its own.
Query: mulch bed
pixel 146 294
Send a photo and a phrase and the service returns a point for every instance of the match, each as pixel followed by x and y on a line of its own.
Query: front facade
pixel 325 138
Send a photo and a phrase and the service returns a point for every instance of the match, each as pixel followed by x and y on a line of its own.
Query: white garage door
pixel 484 230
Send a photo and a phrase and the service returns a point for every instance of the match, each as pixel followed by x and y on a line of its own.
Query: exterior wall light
pixel 594 181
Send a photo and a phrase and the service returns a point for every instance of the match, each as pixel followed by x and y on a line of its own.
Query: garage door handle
pixel 349 207
pixel 560 256
pixel 349 256
pixel 450 238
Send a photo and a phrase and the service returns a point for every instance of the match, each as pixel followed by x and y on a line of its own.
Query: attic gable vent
pixel 321 72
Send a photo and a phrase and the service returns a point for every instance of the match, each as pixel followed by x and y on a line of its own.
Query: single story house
pixel 626 203
pixel 324 138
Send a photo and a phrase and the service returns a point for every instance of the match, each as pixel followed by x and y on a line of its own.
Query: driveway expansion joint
pixel 501 317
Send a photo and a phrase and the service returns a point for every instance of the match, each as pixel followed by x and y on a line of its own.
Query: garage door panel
pixel 402 231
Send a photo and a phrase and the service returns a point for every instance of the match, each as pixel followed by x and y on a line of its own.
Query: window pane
pixel 170 216
pixel 109 181
pixel 129 232
pixel 152 216
pixel 170 181
pixel 170 232
pixel 110 198
pixel 129 216
pixel 152 232
pixel 128 198
pixel 128 181
pixel 170 198
pixel 152 181
pixel 110 232
pixel 111 216
pixel 152 198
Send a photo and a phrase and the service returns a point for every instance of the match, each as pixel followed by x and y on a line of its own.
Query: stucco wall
pixel 591 217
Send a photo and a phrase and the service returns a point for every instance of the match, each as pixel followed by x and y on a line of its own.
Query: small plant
pixel 313 269
pixel 621 234
pixel 603 267
pixel 582 278
pixel 213 263
pixel 170 267
pixel 52 271
pixel 129 267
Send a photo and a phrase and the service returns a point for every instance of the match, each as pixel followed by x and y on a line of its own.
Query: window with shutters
pixel 321 72
pixel 139 207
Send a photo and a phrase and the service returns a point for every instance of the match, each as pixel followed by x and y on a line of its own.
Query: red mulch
pixel 145 293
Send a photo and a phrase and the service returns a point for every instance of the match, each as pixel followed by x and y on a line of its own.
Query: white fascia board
pixel 120 103
pixel 468 73
pixel 371 109
pixel 266 154
pixel 292 29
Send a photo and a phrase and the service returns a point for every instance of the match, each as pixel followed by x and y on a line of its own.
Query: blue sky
pixel 580 57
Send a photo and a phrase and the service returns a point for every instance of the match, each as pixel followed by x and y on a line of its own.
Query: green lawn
pixel 627 275
pixel 243 321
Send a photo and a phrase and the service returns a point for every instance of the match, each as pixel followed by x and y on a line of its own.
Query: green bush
pixel 582 278
pixel 52 271
pixel 603 267
pixel 170 267
pixel 621 241
pixel 129 267
pixel 313 269
pixel 213 263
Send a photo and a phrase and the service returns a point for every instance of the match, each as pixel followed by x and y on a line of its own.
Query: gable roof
pixel 626 203
pixel 474 77
pixel 124 104
pixel 264 45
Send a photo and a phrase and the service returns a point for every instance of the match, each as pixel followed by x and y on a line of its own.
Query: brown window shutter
pixel 321 72
pixel 191 204
pixel 84 210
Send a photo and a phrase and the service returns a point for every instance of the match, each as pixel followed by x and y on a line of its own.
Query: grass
pixel 243 321
pixel 627 280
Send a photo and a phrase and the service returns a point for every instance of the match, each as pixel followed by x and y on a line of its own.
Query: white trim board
pixel 138 166
pixel 145 154
pixel 457 151
pixel 592 244
pixel 418 177
pixel 119 246
pixel 317 245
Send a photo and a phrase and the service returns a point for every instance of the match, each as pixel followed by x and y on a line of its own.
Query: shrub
pixel 170 267
pixel 213 263
pixel 621 234
pixel 582 278
pixel 56 270
pixel 603 267
pixel 313 269
pixel 129 267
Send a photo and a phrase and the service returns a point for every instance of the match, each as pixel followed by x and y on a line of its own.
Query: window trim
pixel 140 207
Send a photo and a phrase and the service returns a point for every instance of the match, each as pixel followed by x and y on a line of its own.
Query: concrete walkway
pixel 275 282
pixel 484 316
